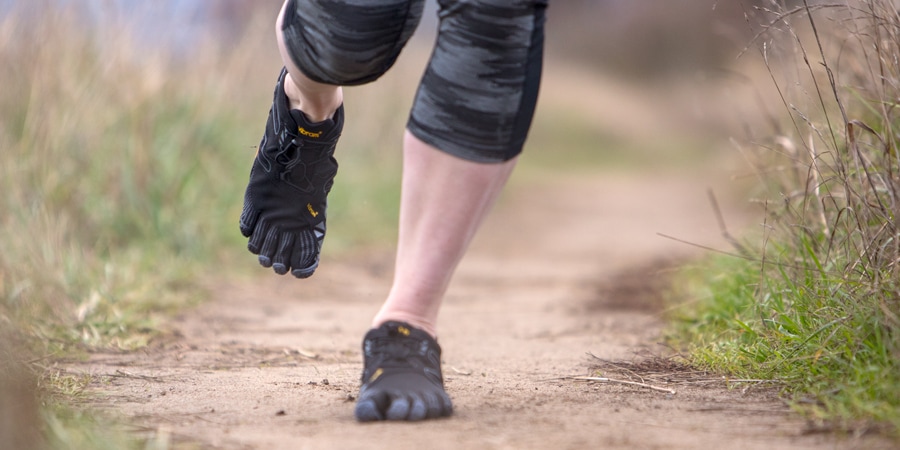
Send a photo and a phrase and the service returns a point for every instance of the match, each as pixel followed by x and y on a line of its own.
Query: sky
pixel 174 23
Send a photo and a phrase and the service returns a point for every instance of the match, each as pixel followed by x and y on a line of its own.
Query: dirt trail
pixel 558 272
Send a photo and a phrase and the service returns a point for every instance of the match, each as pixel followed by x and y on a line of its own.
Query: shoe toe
pixel 269 247
pixel 418 409
pixel 283 255
pixel 434 405
pixel 370 406
pixel 367 411
pixel 259 234
pixel 399 409
pixel 249 216
pixel 307 271
pixel 446 405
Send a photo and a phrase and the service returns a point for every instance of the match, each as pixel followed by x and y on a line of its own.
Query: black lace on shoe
pixel 289 157
pixel 397 351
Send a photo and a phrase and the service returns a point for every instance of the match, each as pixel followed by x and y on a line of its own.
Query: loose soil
pixel 563 281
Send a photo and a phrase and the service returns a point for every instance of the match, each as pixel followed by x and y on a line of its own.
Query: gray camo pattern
pixel 476 99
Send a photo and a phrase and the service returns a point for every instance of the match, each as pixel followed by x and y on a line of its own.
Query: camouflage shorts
pixel 476 99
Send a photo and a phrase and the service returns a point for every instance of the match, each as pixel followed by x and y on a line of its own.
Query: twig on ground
pixel 306 354
pixel 731 380
pixel 461 372
pixel 604 361
pixel 667 372
pixel 632 383
pixel 289 353
pixel 123 374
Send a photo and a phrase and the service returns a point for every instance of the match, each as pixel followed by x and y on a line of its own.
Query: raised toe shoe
pixel 286 198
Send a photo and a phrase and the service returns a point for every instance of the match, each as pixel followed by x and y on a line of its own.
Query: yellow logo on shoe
pixel 403 330
pixel 376 374
pixel 312 211
pixel 312 134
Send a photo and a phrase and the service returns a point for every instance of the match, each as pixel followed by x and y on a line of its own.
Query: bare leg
pixel 318 101
pixel 444 199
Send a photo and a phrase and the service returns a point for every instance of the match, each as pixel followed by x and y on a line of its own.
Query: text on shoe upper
pixel 312 134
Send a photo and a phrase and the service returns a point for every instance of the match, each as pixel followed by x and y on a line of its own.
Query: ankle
pixel 317 104
pixel 416 322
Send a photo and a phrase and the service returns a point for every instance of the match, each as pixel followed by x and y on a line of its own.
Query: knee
pixel 347 42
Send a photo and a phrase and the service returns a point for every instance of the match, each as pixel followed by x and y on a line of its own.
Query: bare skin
pixel 444 200
pixel 317 100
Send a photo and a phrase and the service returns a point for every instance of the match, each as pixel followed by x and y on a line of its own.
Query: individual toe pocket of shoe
pixel 305 255
pixel 282 259
pixel 269 246
pixel 435 405
pixel 371 407
pixel 258 237
pixel 249 217
pixel 400 407
pixel 306 272
pixel 446 404
pixel 418 408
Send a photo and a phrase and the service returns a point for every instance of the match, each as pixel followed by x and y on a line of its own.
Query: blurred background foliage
pixel 127 129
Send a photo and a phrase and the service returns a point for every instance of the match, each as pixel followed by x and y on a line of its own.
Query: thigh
pixel 348 42
pixel 477 96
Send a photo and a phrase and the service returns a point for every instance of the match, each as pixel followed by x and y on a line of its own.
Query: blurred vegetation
pixel 117 176
pixel 122 172
pixel 112 180
pixel 813 301
pixel 123 166
pixel 650 38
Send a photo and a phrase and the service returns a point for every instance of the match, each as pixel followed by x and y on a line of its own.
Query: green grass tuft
pixel 118 188
pixel 115 183
pixel 816 304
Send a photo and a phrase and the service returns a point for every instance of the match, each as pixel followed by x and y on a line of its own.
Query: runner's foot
pixel 285 201
pixel 402 376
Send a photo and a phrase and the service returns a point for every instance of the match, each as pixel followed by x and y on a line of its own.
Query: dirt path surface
pixel 556 281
